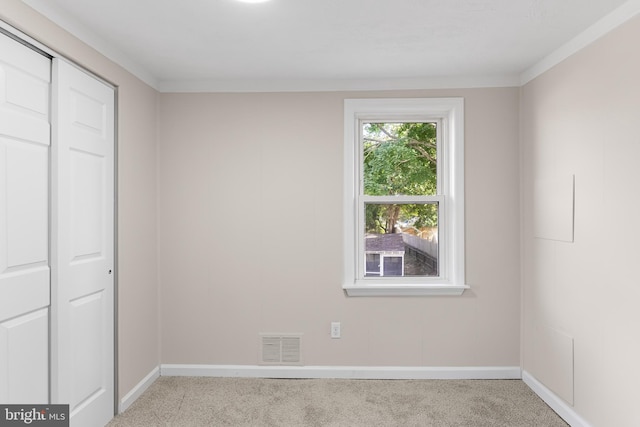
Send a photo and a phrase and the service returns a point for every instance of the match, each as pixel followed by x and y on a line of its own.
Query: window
pixel 404 196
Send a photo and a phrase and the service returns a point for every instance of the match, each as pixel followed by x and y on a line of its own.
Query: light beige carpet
pixel 189 401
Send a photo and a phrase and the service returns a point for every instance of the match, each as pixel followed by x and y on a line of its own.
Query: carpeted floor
pixel 190 401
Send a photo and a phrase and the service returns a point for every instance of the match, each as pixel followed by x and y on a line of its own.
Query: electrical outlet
pixel 335 329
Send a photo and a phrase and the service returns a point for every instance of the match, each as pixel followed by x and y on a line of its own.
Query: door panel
pixel 83 234
pixel 25 76
pixel 87 206
pixel 24 223
pixel 24 358
pixel 23 291
pixel 26 168
pixel 89 329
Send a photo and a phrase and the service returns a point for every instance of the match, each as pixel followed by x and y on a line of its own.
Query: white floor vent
pixel 280 349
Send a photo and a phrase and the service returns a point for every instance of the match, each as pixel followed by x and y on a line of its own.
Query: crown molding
pixel 336 85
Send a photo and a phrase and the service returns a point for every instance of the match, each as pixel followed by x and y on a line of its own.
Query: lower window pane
pixel 401 239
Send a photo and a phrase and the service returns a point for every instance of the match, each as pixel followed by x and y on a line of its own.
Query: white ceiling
pixel 331 44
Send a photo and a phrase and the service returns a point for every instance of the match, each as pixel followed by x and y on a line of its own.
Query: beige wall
pixel 137 194
pixel 251 236
pixel 582 118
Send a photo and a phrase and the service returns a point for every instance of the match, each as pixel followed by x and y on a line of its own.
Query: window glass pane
pixel 405 236
pixel 399 159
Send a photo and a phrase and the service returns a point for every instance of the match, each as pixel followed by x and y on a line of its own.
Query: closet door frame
pixel 6 30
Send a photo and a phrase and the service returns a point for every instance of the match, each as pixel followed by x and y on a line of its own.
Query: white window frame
pixel 449 114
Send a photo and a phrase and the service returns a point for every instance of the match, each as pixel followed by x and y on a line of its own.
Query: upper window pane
pixel 399 159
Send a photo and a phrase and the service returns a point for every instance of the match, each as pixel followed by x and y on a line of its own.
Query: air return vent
pixel 280 349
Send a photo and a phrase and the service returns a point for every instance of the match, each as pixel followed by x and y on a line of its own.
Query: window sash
pixel 362 278
pixel 442 172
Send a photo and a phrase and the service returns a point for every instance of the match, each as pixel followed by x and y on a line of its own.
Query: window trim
pixel 450 113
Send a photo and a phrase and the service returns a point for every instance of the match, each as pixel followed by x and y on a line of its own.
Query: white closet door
pixel 24 224
pixel 83 242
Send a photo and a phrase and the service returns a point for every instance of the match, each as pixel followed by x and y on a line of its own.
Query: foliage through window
pixel 403 190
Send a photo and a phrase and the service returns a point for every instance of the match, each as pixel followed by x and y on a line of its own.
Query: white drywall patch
pixel 554 361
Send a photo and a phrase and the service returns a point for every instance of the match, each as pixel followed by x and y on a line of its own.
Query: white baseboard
pixel 346 372
pixel 140 388
pixel 564 410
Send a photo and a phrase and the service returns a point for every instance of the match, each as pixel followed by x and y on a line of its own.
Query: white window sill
pixel 386 290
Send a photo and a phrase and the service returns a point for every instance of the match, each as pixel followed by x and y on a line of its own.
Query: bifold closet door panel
pixel 24 223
